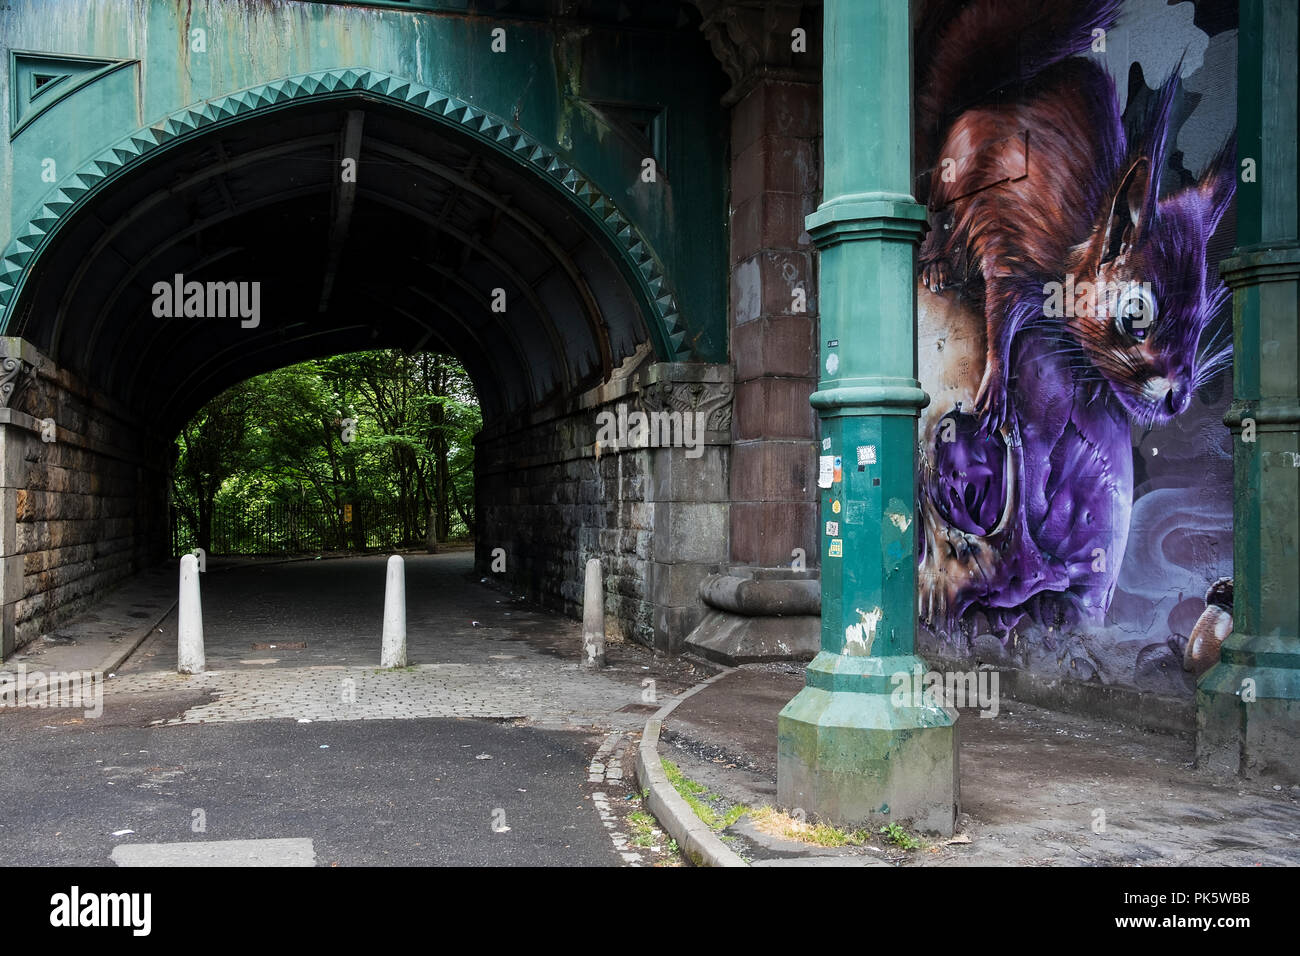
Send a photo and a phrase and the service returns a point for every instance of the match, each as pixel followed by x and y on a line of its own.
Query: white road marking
pixel 294 851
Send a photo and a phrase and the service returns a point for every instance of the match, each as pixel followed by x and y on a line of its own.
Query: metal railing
pixel 294 528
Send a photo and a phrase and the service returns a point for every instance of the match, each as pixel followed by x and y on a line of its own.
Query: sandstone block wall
pixel 657 517
pixel 82 506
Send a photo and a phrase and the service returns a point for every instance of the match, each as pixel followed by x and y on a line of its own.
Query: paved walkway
pixel 98 639
pixel 546 692
pixel 330 612
pixel 301 641
pixel 1038 788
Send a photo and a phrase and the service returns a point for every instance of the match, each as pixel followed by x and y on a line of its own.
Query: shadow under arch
pixel 621 241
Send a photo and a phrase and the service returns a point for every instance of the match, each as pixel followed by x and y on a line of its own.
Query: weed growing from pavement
pixel 898 836
pixel 697 797
pixel 647 835
pixel 718 815
pixel 779 823
pixel 643 828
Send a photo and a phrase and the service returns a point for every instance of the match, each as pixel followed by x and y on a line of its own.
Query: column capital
pixel 894 216
pixel 1265 262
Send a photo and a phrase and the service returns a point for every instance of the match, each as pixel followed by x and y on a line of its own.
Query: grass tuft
pixel 779 823
pixel 699 799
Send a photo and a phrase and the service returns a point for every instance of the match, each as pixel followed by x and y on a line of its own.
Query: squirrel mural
pixel 1083 276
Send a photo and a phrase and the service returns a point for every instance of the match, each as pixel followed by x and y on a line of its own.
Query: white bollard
pixel 393 652
pixel 189 617
pixel 593 617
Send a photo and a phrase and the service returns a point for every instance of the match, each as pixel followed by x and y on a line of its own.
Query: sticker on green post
pixel 825 471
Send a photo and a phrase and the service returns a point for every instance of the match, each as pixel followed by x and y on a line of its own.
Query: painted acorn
pixel 1214 624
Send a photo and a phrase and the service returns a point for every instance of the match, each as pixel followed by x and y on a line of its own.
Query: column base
pixel 756 614
pixel 1254 738
pixel 857 758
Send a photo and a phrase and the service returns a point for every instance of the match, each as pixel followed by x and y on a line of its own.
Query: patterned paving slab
pixel 544 692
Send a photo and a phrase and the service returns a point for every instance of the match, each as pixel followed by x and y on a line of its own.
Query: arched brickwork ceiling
pixel 410 259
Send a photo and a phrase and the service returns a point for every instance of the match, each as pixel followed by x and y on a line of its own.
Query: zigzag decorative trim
pixel 112 162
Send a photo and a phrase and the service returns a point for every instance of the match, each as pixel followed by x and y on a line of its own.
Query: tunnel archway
pixel 449 204
pixel 453 213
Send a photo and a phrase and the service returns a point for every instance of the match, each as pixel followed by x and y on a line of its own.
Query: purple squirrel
pixel 1093 288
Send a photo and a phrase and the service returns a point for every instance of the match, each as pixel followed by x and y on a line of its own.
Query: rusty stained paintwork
pixel 568 79
pixel 560 63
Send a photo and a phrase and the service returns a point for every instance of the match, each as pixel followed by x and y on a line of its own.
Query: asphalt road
pixel 373 792
pixel 377 791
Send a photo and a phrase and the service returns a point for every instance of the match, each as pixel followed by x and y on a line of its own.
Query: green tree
pixel 407 470
pixel 213 446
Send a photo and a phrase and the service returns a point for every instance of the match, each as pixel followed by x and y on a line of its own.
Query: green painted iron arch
pixel 621 241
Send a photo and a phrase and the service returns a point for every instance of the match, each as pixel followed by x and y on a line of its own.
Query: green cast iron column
pixel 848 750
pixel 1248 705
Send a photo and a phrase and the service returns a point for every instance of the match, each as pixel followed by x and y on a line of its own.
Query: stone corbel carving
pixel 15 375
pixel 713 399
pixel 751 38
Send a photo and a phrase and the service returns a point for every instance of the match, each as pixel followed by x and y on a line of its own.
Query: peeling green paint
pixel 538 85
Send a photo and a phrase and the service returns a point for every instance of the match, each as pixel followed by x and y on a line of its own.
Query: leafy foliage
pixel 282 441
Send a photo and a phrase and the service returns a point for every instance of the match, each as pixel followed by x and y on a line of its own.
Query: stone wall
pixel 775 183
pixel 83 502
pixel 657 517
